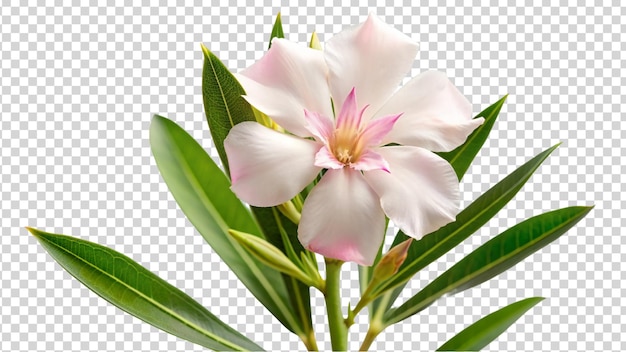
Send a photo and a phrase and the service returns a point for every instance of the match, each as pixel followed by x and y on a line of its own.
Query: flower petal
pixel 436 115
pixel 320 126
pixel 342 218
pixel 373 57
pixel 420 193
pixel 286 80
pixel 370 160
pixel 349 116
pixel 267 167
pixel 325 159
pixel 377 129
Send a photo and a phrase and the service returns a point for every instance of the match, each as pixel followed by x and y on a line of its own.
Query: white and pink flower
pixel 377 151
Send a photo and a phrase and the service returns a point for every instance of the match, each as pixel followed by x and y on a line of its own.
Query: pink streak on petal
pixel 370 160
pixel 342 250
pixel 349 118
pixel 342 218
pixel 377 129
pixel 319 125
pixel 325 159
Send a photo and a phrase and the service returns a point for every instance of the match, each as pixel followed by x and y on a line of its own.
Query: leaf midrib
pixel 435 296
pixel 219 85
pixel 195 184
pixel 149 299
pixel 467 223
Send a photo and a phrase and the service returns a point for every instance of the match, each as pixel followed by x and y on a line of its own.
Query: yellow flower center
pixel 346 145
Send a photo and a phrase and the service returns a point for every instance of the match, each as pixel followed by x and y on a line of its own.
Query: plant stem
pixel 376 325
pixel 366 298
pixel 309 341
pixel 336 324
pixel 369 338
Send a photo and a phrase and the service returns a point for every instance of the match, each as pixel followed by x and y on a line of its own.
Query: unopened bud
pixel 391 261
pixel 288 209
pixel 315 42
pixel 269 255
pixel 385 269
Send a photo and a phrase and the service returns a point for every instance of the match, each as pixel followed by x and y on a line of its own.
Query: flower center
pixel 350 141
pixel 343 155
pixel 345 145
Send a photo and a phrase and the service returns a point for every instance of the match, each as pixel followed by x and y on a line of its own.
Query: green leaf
pixel 203 193
pixel 270 219
pixel 492 258
pixel 462 157
pixel 468 221
pixel 277 30
pixel 134 289
pixel 224 108
pixel 481 333
pixel 223 104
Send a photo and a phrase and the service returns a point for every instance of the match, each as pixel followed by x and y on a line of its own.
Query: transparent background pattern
pixel 80 81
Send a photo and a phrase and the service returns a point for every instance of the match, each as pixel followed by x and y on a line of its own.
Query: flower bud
pixel 391 261
pixel 289 210
pixel 315 42
pixel 269 255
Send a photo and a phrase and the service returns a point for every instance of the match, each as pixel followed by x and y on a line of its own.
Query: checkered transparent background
pixel 79 84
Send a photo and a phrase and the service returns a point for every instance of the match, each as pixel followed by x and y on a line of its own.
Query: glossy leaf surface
pixel 134 289
pixel 478 335
pixel 492 258
pixel 223 105
pixel 277 30
pixel 468 221
pixel 203 193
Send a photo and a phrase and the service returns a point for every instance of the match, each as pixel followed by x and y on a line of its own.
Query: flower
pixel 378 157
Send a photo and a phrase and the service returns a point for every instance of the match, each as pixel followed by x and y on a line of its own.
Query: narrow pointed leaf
pixel 224 108
pixel 223 105
pixel 468 221
pixel 277 30
pixel 271 221
pixel 134 289
pixel 478 335
pixel 462 157
pixel 492 258
pixel 299 295
pixel 203 193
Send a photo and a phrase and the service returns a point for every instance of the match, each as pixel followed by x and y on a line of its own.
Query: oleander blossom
pixel 377 151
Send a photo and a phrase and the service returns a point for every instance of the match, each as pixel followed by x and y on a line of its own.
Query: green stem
pixel 382 307
pixel 309 341
pixel 363 302
pixel 369 338
pixel 336 323
pixel 376 325
pixel 308 336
